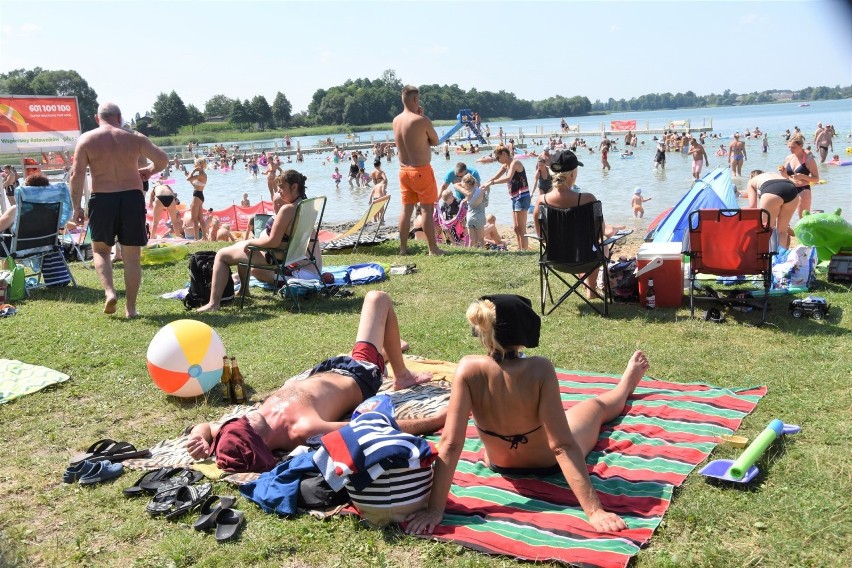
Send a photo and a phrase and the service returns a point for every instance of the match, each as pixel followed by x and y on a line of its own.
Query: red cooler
pixel 661 262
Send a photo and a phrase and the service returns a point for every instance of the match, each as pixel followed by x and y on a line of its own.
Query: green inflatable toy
pixel 828 232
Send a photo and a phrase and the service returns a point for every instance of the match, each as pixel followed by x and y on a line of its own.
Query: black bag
pixel 622 280
pixel 201 279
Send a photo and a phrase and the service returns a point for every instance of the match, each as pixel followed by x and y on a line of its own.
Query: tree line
pixel 365 101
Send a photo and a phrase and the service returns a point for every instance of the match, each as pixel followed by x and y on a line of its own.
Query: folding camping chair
pixel 355 235
pixel 41 212
pixel 572 242
pixel 730 242
pixel 301 248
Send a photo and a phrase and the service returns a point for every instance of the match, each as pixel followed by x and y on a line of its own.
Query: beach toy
pixel 828 232
pixel 185 358
pixel 162 253
pixel 735 441
pixel 743 470
pixel 839 163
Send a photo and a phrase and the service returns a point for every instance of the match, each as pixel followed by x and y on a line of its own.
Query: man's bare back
pixel 414 136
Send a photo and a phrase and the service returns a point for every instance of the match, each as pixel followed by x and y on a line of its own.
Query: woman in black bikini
pixel 291 188
pixel 801 169
pixel 163 197
pixel 517 410
pixel 198 178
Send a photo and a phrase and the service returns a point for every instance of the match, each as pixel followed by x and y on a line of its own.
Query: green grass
pixel 796 515
pixel 211 133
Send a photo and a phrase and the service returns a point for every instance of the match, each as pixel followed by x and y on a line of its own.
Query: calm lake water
pixel 614 188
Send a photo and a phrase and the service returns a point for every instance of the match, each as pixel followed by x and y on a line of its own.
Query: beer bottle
pixel 226 379
pixel 238 387
pixel 650 295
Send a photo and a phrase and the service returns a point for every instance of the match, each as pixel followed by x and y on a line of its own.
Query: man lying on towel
pixel 314 405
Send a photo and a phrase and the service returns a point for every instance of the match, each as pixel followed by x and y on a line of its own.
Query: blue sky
pixel 131 51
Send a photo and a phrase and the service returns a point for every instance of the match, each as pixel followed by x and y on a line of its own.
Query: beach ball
pixel 185 358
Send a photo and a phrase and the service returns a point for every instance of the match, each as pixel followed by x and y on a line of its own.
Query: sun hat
pixel 638 191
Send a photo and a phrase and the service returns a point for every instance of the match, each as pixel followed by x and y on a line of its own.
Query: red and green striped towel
pixel 667 429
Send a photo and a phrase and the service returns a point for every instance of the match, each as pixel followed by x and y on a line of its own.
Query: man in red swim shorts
pixel 414 136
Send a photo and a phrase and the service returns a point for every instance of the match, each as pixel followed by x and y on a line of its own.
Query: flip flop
pixel 163 500
pixel 103 471
pixel 228 523
pixel 188 498
pixel 110 450
pixel 210 510
pixel 75 472
pixel 174 477
pixel 149 482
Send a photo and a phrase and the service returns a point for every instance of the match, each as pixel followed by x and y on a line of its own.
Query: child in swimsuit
pixel 636 201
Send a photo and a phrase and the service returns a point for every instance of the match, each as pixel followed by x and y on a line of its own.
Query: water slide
pixel 465 118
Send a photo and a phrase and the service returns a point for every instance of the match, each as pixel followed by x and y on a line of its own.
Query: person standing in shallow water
pixel 414 136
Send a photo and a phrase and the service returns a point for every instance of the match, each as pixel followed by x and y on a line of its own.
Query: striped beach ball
pixel 185 358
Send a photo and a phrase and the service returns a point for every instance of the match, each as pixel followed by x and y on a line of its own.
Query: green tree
pixel 261 110
pixel 238 114
pixel 194 117
pixel 169 113
pixel 219 106
pixel 281 109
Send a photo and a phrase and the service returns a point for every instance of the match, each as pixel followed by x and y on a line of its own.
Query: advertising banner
pixel 622 125
pixel 33 124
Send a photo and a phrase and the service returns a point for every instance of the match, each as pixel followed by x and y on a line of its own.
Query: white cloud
pixel 435 49
pixel 748 19
pixel 21 31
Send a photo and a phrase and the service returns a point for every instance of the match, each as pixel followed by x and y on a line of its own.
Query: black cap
pixel 564 161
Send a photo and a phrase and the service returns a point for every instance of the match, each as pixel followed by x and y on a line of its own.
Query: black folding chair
pixel 572 243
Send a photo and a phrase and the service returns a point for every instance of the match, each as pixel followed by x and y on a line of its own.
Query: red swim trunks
pixel 418 185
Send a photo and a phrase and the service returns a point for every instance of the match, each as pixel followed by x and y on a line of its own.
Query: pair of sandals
pixel 91 472
pixel 152 481
pixel 216 512
pixel 109 450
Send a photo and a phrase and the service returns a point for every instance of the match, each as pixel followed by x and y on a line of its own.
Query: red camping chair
pixel 730 242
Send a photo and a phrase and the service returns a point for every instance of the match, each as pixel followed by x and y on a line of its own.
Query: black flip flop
pixel 188 498
pixel 151 481
pixel 163 501
pixel 210 510
pixel 110 450
pixel 228 523
pixel 171 476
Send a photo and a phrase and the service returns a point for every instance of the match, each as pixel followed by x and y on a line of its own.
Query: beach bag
pixel 794 268
pixel 54 271
pixel 622 280
pixel 365 273
pixel 201 280
pixel 13 274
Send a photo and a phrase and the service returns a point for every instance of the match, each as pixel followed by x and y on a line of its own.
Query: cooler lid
pixel 669 251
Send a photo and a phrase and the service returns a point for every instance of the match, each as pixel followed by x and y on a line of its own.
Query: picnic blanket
pixel 18 379
pixel 667 429
pixel 416 402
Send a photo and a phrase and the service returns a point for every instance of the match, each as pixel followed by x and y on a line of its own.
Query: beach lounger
pixel 358 234
pixel 300 248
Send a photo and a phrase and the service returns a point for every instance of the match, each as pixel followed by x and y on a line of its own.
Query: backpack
pixel 622 280
pixel 201 279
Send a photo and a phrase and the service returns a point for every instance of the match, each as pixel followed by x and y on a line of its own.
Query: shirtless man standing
pixel 737 155
pixel 699 157
pixel 414 136
pixel 117 204
pixel 823 142
pixel 314 404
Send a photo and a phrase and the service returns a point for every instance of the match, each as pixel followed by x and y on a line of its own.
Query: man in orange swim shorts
pixel 414 136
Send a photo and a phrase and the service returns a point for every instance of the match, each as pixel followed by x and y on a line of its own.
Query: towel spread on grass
pixel 666 430
pixel 18 379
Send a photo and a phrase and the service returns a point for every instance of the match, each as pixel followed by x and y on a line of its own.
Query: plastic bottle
pixel 226 379
pixel 650 295
pixel 238 387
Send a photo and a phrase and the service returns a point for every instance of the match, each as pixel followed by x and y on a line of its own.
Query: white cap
pixel 638 191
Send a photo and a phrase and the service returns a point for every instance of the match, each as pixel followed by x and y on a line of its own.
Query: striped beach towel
pixel 667 429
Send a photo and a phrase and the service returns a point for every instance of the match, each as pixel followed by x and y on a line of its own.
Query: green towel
pixel 18 379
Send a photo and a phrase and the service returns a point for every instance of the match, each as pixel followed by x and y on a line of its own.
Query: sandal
pixel 150 481
pixel 110 450
pixel 228 523
pixel 171 477
pixel 210 510
pixel 75 472
pixel 102 471
pixel 188 498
